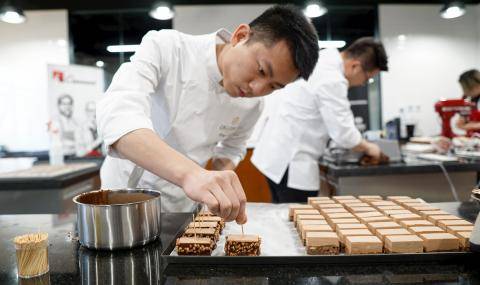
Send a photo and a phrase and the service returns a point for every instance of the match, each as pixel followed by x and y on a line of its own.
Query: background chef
pixel 470 83
pixel 309 113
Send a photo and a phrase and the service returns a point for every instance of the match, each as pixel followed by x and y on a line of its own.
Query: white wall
pixel 478 34
pixel 205 19
pixel 25 50
pixel 425 67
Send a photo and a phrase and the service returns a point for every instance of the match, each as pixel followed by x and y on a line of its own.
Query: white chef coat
pixel 308 113
pixel 172 86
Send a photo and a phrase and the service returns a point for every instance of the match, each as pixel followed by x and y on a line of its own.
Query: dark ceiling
pixel 81 5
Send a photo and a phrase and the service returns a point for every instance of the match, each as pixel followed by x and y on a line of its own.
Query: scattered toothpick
pixel 242 229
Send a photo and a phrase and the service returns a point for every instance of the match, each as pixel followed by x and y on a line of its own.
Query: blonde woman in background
pixel 470 82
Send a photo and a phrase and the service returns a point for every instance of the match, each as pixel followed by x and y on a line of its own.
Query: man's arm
pixel 338 117
pixel 467 126
pixel 221 191
pixel 368 148
pixel 124 123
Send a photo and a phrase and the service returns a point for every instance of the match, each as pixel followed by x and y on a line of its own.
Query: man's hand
pixel 221 191
pixel 442 144
pixel 373 154
pixel 369 149
pixel 373 150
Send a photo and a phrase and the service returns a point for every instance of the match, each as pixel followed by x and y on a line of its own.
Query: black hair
pixel 370 52
pixel 286 22
pixel 469 79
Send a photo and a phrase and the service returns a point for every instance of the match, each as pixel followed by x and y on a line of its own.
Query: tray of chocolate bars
pixel 340 229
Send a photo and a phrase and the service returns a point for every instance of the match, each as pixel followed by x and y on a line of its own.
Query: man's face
pixel 473 92
pixel 356 74
pixel 65 107
pixel 253 69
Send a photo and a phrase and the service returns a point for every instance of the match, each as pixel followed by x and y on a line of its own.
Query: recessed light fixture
pixel 452 10
pixel 61 42
pixel 122 48
pixel 11 14
pixel 402 37
pixel 162 11
pixel 331 44
pixel 100 63
pixel 315 9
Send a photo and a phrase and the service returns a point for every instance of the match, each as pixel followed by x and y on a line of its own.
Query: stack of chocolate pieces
pixel 369 224
pixel 201 235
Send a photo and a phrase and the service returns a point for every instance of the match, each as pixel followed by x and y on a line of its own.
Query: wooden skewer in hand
pixel 194 227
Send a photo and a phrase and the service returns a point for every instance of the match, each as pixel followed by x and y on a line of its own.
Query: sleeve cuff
pixel 235 155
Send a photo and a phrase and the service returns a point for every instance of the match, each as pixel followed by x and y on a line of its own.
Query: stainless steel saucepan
pixel 117 219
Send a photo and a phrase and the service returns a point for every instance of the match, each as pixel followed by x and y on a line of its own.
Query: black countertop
pixel 59 181
pixel 408 166
pixel 72 264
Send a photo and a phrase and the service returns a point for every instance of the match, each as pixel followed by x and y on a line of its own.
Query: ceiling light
pixel 315 9
pixel 162 11
pixel 402 38
pixel 61 42
pixel 100 63
pixel 12 15
pixel 452 10
pixel 122 48
pixel 331 44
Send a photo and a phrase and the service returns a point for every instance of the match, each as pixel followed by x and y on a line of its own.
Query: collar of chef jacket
pixel 222 36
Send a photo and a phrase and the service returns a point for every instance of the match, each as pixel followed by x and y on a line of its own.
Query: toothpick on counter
pixel 242 229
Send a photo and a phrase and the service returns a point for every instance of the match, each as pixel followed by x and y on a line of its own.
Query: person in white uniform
pixel 308 113
pixel 183 99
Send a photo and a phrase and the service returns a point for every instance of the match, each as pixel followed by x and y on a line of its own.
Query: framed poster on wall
pixel 73 91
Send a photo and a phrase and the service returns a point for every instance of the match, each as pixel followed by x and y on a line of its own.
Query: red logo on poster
pixel 58 74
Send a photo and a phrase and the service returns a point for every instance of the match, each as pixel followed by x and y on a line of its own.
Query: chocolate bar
pixel 215 219
pixel 194 246
pixel 314 228
pixel 440 242
pixel 202 225
pixel 403 244
pixel 363 245
pixel 203 233
pixel 242 245
pixel 322 243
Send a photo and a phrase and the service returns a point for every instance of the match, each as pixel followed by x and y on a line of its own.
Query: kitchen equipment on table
pixel 447 108
pixel 117 219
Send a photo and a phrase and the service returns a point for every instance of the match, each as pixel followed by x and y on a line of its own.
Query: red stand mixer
pixel 447 108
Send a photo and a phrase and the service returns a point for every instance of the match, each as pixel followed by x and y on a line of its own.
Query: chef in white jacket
pixel 310 112
pixel 180 102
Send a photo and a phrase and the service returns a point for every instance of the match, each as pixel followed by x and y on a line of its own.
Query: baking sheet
pixel 281 244
pixel 270 222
